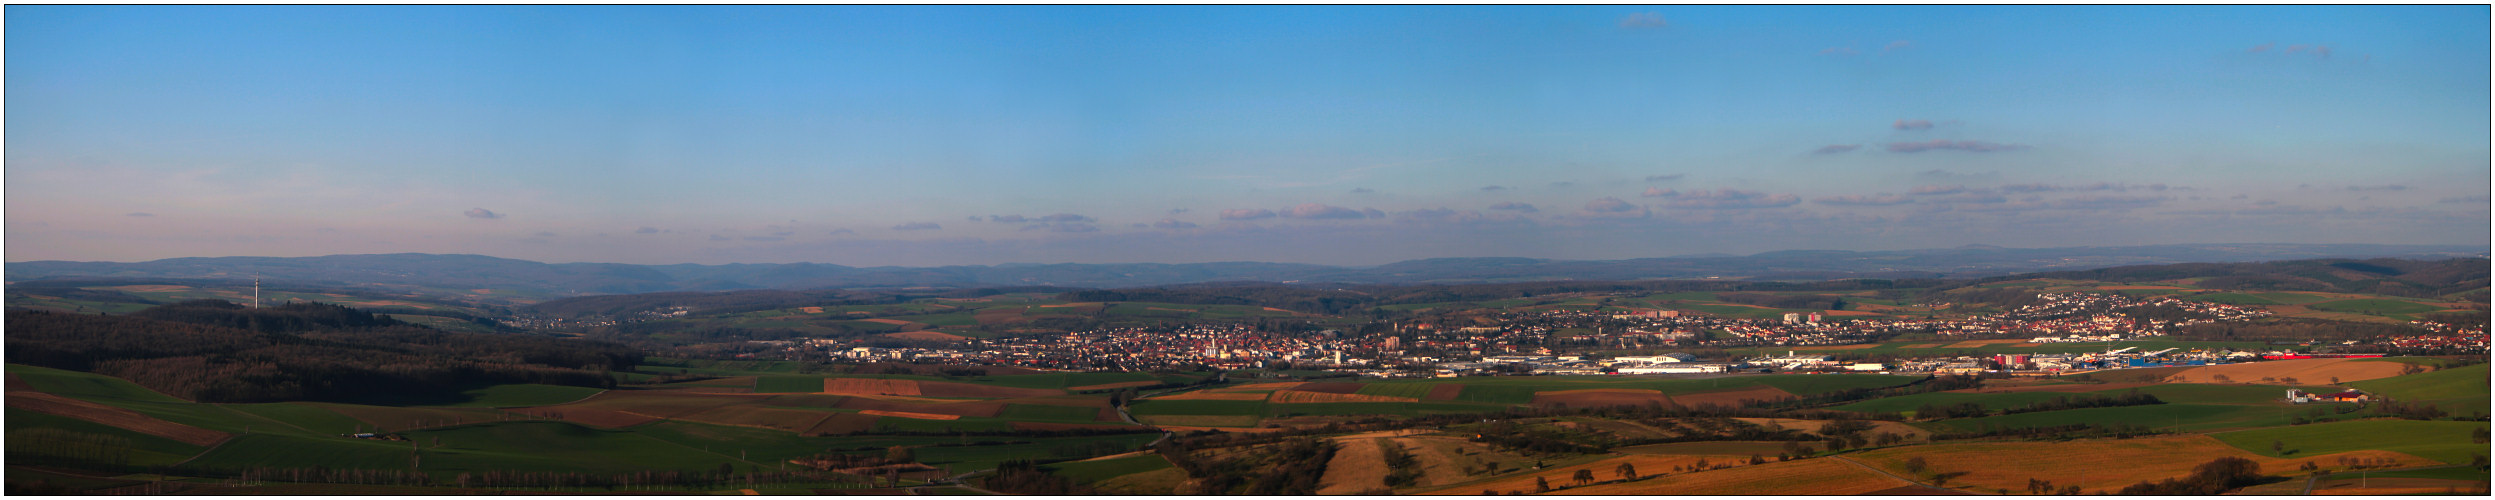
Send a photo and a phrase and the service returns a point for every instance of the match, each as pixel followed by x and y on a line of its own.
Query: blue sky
pixel 1334 135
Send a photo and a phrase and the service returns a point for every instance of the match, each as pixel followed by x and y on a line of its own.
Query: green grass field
pixel 558 446
pixel 82 385
pixel 307 418
pixel 788 383
pixel 1907 404
pixel 1414 391
pixel 970 458
pixel 2388 308
pixel 2191 417
pixel 2460 473
pixel 1102 470
pixel 144 449
pixel 1496 393
pixel 2236 298
pixel 2266 396
pixel 759 445
pixel 1045 413
pixel 965 424
pixel 2443 441
pixel 2459 390
pixel 1400 409
pixel 1196 407
pixel 1805 385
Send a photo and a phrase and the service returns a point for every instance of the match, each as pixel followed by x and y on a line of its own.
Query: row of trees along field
pixel 215 351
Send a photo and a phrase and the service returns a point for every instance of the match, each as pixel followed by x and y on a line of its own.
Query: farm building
pixel 2349 396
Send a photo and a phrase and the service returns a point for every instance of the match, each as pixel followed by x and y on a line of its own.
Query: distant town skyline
pixel 1341 135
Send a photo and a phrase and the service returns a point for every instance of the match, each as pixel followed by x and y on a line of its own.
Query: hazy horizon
pixel 1352 136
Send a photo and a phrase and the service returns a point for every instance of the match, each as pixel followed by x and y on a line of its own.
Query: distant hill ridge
pixel 463 272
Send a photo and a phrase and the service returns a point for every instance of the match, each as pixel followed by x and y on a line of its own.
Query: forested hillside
pixel 2406 278
pixel 213 351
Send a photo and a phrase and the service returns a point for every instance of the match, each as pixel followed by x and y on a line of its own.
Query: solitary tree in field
pixel 1916 465
pixel 1541 485
pixel 1626 471
pixel 1584 476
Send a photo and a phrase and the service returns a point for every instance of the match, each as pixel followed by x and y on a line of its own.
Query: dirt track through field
pixel 1358 466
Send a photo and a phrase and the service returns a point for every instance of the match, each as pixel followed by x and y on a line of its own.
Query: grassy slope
pixel 2461 390
pixel 2443 441
pixel 87 386
pixel 1101 470
pixel 144 449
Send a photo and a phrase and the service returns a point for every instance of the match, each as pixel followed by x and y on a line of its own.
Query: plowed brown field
pixel 1444 392
pixel 888 321
pixel 2096 464
pixel 2305 371
pixel 965 409
pixel 870 386
pixel 768 418
pixel 1327 397
pixel 113 417
pixel 962 390
pixel 398 418
pixel 590 416
pixel 1331 387
pixel 908 414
